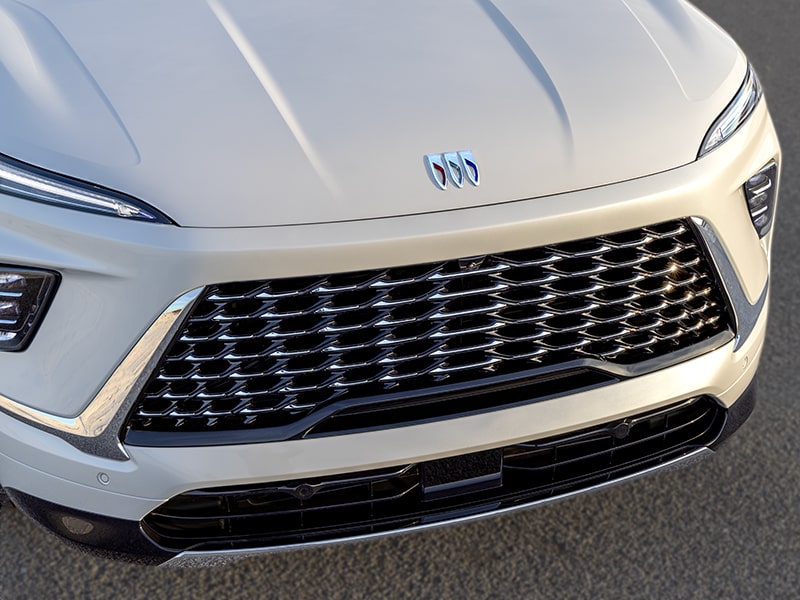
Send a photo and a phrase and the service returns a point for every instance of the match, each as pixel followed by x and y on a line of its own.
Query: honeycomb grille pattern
pixel 262 354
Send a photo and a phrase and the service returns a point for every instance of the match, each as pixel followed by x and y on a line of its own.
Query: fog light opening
pixel 761 191
pixel 24 297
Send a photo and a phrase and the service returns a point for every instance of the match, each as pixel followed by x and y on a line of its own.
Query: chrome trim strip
pixel 454 169
pixel 222 557
pixel 470 167
pixel 436 170
pixel 745 314
pixel 95 429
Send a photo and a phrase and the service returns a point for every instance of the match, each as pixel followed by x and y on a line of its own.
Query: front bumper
pixel 59 426
pixel 135 542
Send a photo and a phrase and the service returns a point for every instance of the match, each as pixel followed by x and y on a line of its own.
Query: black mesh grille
pixel 302 511
pixel 267 354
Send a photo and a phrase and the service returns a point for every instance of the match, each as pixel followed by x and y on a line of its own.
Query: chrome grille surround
pixel 265 354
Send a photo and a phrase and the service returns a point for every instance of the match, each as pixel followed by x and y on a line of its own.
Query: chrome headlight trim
pixel 33 183
pixel 736 113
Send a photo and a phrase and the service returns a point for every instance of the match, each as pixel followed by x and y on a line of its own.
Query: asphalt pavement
pixel 726 528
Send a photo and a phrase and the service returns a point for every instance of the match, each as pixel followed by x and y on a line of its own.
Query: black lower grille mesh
pixel 266 354
pixel 302 511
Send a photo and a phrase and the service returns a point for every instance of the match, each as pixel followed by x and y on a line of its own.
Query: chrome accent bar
pixel 222 557
pixel 95 430
pixel 746 314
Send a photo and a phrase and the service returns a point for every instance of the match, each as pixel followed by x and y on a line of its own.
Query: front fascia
pixel 133 271
pixel 55 471
pixel 119 276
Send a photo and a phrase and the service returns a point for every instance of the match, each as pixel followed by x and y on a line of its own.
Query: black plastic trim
pixel 738 413
pixel 294 513
pixel 536 386
pixel 117 539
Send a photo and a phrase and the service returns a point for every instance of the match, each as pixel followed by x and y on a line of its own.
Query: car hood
pixel 231 113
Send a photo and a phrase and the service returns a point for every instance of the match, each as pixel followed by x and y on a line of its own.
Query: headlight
pixel 32 183
pixel 737 113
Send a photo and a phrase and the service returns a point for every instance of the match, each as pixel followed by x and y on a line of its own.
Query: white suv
pixel 274 276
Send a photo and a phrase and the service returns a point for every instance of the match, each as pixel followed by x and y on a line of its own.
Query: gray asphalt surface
pixel 727 528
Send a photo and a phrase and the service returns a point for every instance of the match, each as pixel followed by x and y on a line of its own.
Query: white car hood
pixel 232 113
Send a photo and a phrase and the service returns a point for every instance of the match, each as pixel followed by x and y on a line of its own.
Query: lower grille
pixel 328 508
pixel 277 357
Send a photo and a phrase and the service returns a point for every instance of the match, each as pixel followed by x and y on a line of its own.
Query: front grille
pixel 288 353
pixel 338 507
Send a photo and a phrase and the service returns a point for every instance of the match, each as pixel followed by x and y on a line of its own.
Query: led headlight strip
pixel 735 114
pixel 32 183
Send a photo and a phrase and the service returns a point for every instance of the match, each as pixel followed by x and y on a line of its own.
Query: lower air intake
pixel 330 508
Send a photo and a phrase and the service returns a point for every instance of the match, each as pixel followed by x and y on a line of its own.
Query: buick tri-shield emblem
pixel 453 166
